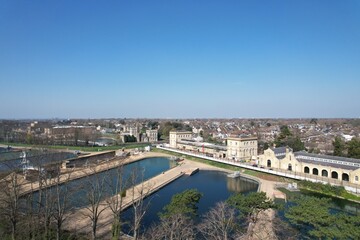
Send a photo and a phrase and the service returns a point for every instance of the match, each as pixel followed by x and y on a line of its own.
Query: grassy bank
pixel 224 166
pixel 328 190
pixel 79 148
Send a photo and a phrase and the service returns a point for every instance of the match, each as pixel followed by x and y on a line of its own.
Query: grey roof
pixel 343 159
pixel 201 144
pixel 335 165
pixel 326 160
pixel 280 152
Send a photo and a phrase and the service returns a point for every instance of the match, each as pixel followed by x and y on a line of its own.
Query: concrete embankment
pixel 76 173
pixel 78 222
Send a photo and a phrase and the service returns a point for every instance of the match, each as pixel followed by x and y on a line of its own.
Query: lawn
pixel 261 175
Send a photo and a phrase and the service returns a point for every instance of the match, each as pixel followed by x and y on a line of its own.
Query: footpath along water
pixel 214 185
pixel 145 169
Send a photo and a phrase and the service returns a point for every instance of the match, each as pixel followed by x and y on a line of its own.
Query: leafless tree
pixel 30 228
pixel 262 228
pixel 138 193
pixel 9 201
pixel 44 202
pixel 47 207
pixel 95 194
pixel 61 196
pixel 117 191
pixel 174 227
pixel 219 223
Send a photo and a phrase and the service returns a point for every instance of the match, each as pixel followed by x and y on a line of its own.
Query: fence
pixel 355 188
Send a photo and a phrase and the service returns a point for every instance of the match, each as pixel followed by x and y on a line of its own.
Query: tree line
pixel 48 213
pixel 349 149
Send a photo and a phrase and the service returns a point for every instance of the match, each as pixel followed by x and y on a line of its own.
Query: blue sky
pixel 179 59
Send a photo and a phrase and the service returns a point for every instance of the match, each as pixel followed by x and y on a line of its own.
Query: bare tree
pixel 30 228
pixel 47 206
pixel 175 227
pixel 61 196
pixel 138 193
pixel 44 202
pixel 9 201
pixel 94 196
pixel 117 191
pixel 219 223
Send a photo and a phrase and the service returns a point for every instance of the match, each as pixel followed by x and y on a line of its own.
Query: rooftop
pixel 327 160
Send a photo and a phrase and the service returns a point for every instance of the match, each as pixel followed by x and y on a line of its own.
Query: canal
pixel 12 160
pixel 214 185
pixel 106 182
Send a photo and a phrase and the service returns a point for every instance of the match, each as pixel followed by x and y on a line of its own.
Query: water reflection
pixel 240 184
pixel 10 161
pixel 214 185
pixel 80 188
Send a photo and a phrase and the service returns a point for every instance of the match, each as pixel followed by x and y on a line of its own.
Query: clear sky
pixel 179 59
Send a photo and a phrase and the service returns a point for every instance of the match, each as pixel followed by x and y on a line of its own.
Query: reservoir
pixel 12 160
pixel 105 182
pixel 214 185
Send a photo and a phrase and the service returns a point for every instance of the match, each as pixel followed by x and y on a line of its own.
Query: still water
pixel 214 185
pixel 106 181
pixel 11 160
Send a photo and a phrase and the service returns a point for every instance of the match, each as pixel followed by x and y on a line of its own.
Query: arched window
pixel 345 177
pixel 290 167
pixel 268 163
pixel 306 170
pixel 315 171
pixel 334 175
pixel 324 173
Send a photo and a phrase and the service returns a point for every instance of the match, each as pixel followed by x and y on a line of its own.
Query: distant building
pixel 238 149
pixel 176 136
pixel 152 135
pixel 130 131
pixel 242 148
pixel 324 167
pixel 70 130
pixel 134 131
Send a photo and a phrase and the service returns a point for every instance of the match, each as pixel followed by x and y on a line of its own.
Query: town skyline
pixel 204 59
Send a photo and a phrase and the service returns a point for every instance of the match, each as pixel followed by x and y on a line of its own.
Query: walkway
pixel 263 228
pixel 282 173
pixel 76 173
pixel 81 223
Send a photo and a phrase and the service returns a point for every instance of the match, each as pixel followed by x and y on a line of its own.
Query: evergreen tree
pixel 354 148
pixel 183 203
pixel 339 147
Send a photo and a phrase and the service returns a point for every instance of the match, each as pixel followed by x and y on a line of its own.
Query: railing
pixel 355 188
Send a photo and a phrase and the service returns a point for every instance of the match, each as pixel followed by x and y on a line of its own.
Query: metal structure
pixel 24 163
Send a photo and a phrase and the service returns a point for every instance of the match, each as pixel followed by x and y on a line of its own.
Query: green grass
pixel 326 190
pixel 224 166
pixel 196 159
pixel 79 148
